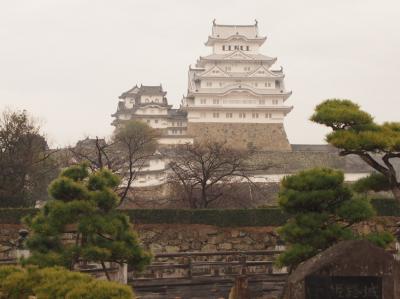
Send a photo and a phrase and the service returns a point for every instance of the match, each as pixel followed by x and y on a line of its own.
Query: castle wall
pixel 270 137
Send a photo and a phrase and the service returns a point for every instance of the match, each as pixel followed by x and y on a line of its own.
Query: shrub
pixel 57 283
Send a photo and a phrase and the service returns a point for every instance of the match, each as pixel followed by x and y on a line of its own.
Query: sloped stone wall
pixel 270 137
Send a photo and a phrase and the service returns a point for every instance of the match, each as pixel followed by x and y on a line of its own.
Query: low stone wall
pixel 173 238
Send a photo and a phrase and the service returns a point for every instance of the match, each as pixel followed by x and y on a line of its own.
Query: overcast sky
pixel 67 61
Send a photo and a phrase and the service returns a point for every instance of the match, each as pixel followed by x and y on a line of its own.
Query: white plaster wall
pixel 208 116
pixel 175 141
pixel 233 100
pixel 253 47
pixel 151 98
pixel 152 110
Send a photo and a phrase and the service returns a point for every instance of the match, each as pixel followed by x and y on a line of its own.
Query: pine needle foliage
pixel 81 223
pixel 322 210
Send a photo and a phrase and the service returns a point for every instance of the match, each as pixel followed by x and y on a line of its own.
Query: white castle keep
pixel 234 95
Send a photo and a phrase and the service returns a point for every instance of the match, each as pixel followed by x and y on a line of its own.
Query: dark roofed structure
pixel 351 265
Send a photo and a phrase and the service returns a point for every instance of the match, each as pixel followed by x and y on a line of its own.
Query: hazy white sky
pixel 67 61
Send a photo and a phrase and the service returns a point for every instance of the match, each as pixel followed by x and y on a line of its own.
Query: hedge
pixel 217 217
pixel 240 217
pixel 386 206
pixel 224 218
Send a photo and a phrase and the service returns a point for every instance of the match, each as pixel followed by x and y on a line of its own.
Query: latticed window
pixel 215 101
pixel 255 115
pixel 229 115
pixel 242 115
pixel 203 101
pixel 268 115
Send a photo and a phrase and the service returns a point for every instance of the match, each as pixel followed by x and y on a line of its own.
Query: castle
pixel 234 95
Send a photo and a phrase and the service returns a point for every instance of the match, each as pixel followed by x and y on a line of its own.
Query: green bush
pixel 386 206
pixel 54 283
pixel 219 217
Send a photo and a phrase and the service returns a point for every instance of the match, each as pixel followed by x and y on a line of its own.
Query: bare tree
pixel 128 151
pixel 26 165
pixel 202 171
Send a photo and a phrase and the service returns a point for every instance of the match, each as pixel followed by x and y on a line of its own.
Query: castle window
pixel 247 68
pixel 223 48
pixel 255 115
pixel 241 48
pixel 148 121
pixel 268 84
pixel 209 84
pixel 261 102
pixel 255 84
pixel 215 114
pixel 179 124
pixel 215 101
pixel 268 115
pixel 203 101
pixel 247 48
pixel 236 47
pixel 277 83
pixel 229 115
pixel 242 115
pixel 229 47
pixel 275 102
pixel 156 121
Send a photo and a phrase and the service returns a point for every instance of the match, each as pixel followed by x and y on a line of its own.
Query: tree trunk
pixel 396 192
pixel 105 271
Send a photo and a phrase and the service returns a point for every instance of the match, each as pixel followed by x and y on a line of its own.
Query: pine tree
pixel 84 205
pixel 323 210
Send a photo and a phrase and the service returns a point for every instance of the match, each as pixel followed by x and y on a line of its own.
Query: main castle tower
pixel 234 94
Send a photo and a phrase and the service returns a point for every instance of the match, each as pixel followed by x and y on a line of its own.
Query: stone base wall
pixel 171 238
pixel 271 137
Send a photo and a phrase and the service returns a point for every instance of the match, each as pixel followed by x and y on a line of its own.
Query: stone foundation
pixel 270 137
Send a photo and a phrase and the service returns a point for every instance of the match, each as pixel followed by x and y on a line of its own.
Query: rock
pixel 209 247
pixel 171 249
pixel 225 246
pixel 156 248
